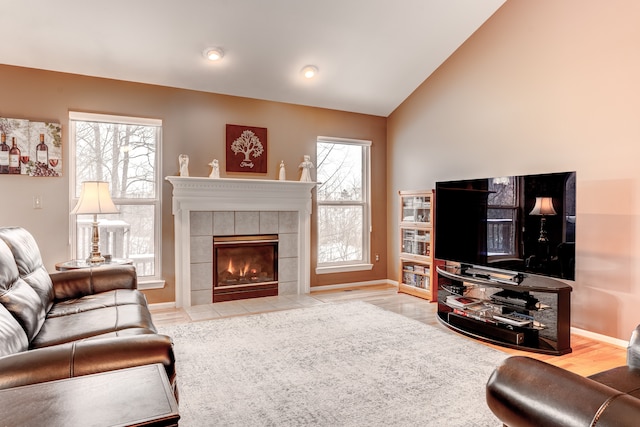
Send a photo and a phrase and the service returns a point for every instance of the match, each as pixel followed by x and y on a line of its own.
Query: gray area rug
pixel 343 364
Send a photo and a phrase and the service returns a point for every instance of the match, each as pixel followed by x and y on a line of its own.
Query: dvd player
pixel 514 298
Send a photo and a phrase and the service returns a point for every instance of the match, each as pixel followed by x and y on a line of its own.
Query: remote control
pixel 511 320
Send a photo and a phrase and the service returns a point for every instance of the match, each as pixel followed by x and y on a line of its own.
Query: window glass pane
pixel 128 234
pixel 339 172
pixel 340 233
pixel 123 155
pixel 502 217
pixel 501 234
pixel 123 152
pixel 502 191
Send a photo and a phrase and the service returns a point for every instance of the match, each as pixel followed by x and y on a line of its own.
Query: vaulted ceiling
pixel 371 54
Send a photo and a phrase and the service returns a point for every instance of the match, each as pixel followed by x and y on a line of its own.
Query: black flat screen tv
pixel 521 223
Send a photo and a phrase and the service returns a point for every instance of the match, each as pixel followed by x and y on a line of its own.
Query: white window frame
pixel 365 263
pixel 145 282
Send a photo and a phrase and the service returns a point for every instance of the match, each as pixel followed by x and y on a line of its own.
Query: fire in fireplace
pixel 245 267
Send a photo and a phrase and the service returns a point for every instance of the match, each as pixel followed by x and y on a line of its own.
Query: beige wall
pixel 193 123
pixel 543 86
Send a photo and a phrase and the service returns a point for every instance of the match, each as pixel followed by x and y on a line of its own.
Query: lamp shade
pixel 543 206
pixel 95 199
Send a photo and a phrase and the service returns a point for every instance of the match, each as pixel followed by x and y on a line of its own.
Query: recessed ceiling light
pixel 213 53
pixel 310 71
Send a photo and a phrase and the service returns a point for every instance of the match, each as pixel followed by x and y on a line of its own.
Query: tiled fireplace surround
pixel 205 225
pixel 205 207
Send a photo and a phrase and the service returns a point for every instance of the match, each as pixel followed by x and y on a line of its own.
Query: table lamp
pixel 543 207
pixel 95 199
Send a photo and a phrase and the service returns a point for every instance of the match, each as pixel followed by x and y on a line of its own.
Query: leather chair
pixel 527 392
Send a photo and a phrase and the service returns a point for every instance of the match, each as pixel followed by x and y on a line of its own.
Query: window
pixel 123 151
pixel 502 218
pixel 344 209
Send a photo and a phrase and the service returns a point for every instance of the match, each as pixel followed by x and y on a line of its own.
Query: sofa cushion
pixel 26 256
pixel 25 305
pixel 86 324
pixel 12 336
pixel 94 301
pixel 129 332
pixel 622 378
pixel 72 284
pixel 20 299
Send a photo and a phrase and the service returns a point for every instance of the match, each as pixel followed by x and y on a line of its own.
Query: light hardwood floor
pixel 589 356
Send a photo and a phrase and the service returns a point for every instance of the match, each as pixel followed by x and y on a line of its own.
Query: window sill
pixel 343 268
pixel 146 284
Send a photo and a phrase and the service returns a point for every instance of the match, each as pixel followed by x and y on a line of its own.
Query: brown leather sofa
pixel 527 392
pixel 71 323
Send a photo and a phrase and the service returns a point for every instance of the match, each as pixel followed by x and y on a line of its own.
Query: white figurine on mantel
pixel 306 166
pixel 282 175
pixel 183 160
pixel 215 169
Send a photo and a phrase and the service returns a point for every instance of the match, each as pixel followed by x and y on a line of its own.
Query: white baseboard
pixel 599 337
pixel 162 305
pixel 353 284
pixel 151 284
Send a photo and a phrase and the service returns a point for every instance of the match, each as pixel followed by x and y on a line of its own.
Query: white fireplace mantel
pixel 229 194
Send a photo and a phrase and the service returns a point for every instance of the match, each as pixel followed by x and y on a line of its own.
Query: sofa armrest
pixel 87 357
pixel 87 281
pixel 526 392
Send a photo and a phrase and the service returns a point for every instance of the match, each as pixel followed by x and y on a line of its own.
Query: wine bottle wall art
pixel 39 145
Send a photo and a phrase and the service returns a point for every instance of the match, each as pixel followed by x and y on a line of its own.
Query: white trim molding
pixel 230 194
pixel 343 268
pixel 354 285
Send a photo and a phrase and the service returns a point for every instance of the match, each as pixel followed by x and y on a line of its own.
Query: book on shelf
pixel 416 280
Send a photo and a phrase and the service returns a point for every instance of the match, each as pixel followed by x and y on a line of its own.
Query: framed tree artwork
pixel 246 148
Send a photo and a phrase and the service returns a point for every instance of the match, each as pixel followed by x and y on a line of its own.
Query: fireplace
pixel 206 207
pixel 245 267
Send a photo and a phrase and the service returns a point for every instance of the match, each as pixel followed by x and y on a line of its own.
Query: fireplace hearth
pixel 245 267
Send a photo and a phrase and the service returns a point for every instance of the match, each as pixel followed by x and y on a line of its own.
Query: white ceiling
pixel 372 54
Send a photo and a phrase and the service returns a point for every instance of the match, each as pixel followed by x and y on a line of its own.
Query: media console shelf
pixel 521 311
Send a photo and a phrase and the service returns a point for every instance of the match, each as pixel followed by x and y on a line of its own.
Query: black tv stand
pixel 515 310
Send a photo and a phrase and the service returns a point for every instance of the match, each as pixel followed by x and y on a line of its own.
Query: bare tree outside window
pixel 342 203
pixel 124 155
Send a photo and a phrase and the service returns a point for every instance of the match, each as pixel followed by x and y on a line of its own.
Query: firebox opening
pixel 244 267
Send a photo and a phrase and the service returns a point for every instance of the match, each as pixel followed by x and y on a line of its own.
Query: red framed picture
pixel 246 149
